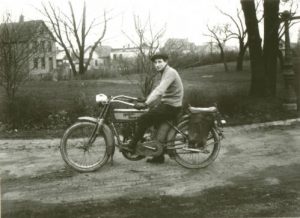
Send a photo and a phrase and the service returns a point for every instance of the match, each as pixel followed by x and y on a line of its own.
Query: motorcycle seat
pixel 195 110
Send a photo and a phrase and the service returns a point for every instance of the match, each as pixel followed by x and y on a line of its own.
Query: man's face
pixel 159 64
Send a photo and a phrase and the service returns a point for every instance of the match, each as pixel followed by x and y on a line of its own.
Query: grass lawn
pixel 209 82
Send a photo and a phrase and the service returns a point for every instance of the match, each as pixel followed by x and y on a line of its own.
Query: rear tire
pixel 78 153
pixel 196 160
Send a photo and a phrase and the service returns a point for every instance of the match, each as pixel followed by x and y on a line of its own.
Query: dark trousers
pixel 155 116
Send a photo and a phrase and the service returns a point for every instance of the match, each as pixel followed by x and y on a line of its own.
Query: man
pixel 170 93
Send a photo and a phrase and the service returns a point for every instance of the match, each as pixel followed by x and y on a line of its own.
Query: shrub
pixel 26 112
pixel 238 108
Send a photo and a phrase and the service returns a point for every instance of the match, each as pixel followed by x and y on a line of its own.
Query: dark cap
pixel 159 56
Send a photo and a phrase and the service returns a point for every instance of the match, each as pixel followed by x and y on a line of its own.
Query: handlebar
pixel 118 97
pixel 124 96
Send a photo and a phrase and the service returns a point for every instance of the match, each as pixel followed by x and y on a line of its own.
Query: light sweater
pixel 170 89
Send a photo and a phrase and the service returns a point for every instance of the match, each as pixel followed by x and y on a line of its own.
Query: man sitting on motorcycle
pixel 170 93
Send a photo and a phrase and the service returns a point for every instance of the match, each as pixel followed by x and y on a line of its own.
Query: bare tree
pixel 147 40
pixel 271 44
pixel 71 33
pixel 257 87
pixel 16 50
pixel 239 32
pixel 221 34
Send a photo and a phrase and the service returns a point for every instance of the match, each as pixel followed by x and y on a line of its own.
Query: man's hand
pixel 140 105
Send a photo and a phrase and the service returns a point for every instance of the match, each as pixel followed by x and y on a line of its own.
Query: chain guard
pixel 151 148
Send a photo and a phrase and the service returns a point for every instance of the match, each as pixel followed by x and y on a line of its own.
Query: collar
pixel 164 70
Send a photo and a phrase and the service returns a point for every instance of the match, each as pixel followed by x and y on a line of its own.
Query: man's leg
pixel 162 113
pixel 154 116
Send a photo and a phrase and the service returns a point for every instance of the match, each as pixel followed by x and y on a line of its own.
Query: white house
pixel 126 52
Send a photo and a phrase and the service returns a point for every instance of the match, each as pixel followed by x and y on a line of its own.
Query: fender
pixel 108 134
pixel 89 119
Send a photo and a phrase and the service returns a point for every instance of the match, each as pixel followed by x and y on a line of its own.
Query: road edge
pixel 254 126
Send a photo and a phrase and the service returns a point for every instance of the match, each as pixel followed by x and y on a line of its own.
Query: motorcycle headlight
pixel 101 98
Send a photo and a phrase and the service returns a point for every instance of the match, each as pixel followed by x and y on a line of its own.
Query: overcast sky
pixel 183 18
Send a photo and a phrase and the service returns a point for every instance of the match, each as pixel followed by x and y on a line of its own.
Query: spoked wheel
pixel 84 149
pixel 194 158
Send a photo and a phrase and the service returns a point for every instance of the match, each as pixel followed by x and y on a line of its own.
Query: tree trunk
pixel 270 50
pixel 257 87
pixel 223 59
pixel 241 54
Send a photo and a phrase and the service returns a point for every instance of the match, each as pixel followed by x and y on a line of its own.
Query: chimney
pixel 21 19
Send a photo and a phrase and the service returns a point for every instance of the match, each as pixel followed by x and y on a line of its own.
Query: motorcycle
pixel 90 142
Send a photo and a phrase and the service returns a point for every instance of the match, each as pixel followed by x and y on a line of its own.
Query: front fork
pixel 101 126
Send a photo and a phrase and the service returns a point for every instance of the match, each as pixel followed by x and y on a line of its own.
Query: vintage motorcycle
pixel 89 143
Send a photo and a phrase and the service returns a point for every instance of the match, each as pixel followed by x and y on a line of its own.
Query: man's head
pixel 160 61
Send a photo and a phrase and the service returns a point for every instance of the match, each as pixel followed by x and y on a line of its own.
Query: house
pixel 100 57
pixel 39 43
pixel 63 67
pixel 126 52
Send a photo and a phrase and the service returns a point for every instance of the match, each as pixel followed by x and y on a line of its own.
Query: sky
pixel 182 18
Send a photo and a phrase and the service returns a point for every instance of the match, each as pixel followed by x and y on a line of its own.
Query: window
pixel 50 63
pixel 42 46
pixel 120 56
pixel 96 62
pixel 35 63
pixel 115 57
pixel 43 64
pixel 49 46
pixel 34 45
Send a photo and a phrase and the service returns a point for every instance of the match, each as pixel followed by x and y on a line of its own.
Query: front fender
pixel 88 119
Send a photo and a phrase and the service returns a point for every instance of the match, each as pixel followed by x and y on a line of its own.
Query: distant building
pixel 38 37
pixel 64 71
pixel 100 58
pixel 126 52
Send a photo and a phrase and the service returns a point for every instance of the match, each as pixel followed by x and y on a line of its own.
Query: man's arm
pixel 165 82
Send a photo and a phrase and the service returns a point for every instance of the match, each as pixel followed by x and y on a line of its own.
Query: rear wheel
pixel 84 149
pixel 194 158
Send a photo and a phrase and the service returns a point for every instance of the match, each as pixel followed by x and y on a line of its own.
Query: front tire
pixel 80 152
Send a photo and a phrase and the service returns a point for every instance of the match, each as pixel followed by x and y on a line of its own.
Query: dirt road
pixel 256 174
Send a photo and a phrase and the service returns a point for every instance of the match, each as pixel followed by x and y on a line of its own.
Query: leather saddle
pixel 195 110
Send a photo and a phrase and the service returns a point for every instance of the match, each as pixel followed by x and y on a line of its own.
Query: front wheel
pixel 195 158
pixel 83 148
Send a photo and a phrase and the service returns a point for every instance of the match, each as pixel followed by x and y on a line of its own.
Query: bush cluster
pixel 238 108
pixel 33 113
pixel 28 112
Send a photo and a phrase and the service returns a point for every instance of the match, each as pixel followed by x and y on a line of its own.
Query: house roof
pixel 25 31
pixel 129 49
